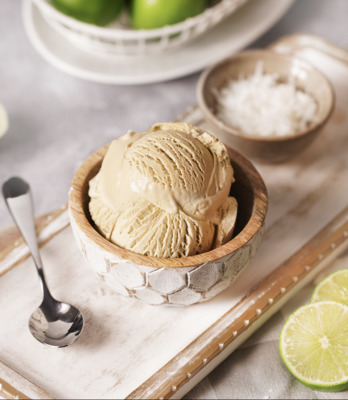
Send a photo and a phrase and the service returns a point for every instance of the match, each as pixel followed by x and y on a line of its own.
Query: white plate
pixel 236 32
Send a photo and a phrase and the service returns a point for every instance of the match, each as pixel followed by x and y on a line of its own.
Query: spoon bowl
pixel 60 329
pixel 53 323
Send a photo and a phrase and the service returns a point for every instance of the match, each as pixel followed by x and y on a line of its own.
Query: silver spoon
pixel 53 323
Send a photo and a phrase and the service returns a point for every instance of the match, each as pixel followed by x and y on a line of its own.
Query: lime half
pixel 3 121
pixel 314 345
pixel 334 287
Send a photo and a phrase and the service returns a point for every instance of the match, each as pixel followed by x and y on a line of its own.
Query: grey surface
pixel 57 120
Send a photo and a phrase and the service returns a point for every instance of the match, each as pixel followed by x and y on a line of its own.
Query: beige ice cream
pixel 164 192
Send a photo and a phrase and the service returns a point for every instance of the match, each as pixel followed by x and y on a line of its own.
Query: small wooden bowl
pixel 179 281
pixel 271 149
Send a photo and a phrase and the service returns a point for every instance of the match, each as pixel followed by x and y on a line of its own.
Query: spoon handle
pixel 19 201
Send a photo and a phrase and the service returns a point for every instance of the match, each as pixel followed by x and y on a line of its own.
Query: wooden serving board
pixel 133 350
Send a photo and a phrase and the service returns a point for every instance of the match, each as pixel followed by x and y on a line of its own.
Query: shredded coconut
pixel 261 105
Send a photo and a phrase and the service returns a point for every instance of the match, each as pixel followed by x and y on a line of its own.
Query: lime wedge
pixel 334 287
pixel 3 121
pixel 314 345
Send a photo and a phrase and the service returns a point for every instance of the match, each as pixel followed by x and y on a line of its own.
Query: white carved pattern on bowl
pixel 167 281
pixel 205 276
pixel 151 285
pixel 185 297
pixel 128 274
pixel 115 284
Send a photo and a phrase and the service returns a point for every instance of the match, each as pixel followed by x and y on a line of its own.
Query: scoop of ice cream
pixel 164 192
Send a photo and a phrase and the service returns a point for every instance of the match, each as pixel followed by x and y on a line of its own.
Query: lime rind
pixel 333 287
pixel 309 330
pixel 3 121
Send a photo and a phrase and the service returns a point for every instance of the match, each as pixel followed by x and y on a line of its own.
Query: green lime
pixel 152 14
pixel 97 12
pixel 3 121
pixel 334 287
pixel 314 345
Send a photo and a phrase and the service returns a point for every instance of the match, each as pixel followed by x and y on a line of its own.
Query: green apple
pixel 152 14
pixel 97 12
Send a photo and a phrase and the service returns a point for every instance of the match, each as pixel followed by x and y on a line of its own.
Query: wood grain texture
pixel 15 386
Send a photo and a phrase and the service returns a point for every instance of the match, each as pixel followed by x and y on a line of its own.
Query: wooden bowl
pixel 178 281
pixel 269 149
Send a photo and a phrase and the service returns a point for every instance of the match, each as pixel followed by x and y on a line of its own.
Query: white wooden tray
pixel 131 350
